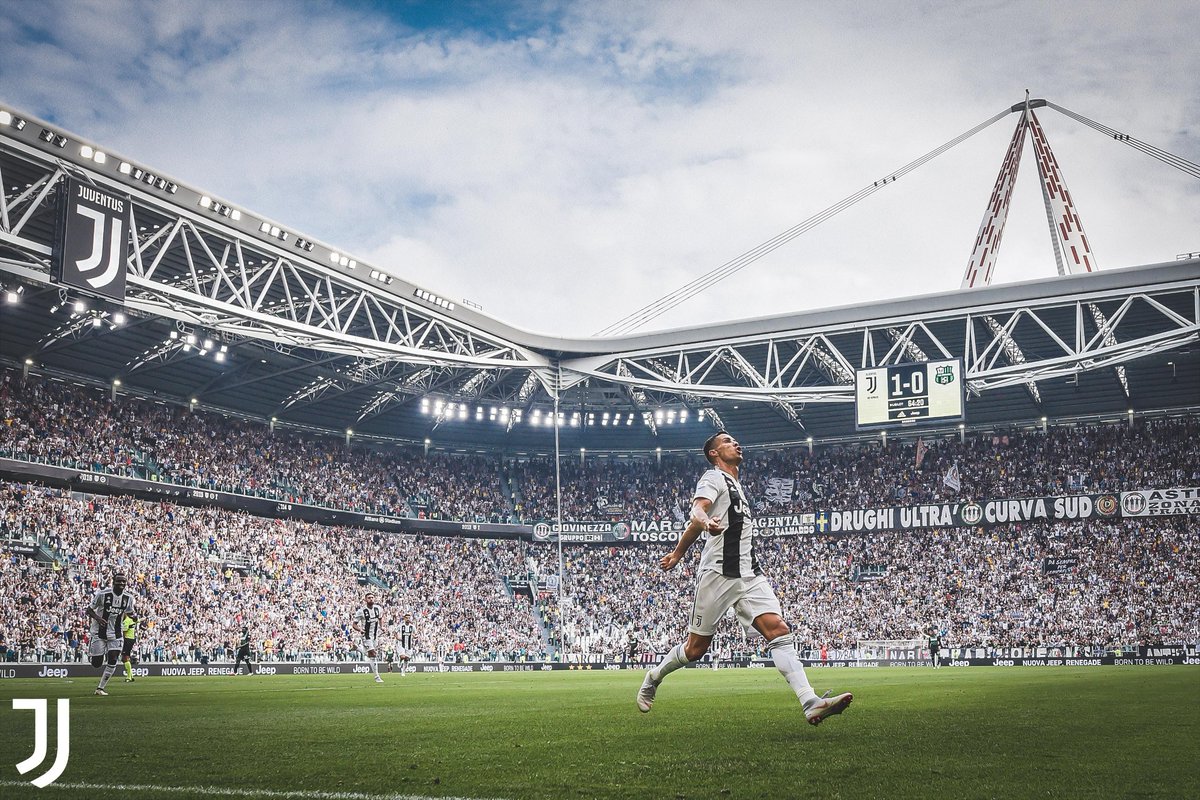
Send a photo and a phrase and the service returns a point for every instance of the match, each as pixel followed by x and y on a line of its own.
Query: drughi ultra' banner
pixel 984 513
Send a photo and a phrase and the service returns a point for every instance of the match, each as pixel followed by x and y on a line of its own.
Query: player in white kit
pixel 107 609
pixel 368 622
pixel 730 578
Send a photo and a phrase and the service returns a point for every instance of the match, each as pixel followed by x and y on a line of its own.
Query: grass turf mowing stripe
pixel 911 733
pixel 219 791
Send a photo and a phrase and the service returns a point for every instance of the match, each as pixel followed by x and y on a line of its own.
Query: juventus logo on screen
pixel 93 240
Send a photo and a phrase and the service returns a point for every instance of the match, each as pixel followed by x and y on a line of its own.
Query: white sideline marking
pixel 218 791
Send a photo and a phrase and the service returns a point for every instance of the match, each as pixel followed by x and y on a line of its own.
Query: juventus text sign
pixel 92 242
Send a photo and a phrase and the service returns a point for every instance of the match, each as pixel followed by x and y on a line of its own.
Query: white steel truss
pixel 784 367
pixel 353 337
pixel 192 268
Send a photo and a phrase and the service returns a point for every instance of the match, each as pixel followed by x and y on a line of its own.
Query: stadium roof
pixel 246 316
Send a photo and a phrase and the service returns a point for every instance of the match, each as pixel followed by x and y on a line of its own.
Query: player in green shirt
pixel 128 635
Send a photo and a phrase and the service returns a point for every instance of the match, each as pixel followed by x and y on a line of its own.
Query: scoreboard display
pixel 907 394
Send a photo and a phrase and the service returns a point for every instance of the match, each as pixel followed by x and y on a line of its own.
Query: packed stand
pixel 59 423
pixel 201 573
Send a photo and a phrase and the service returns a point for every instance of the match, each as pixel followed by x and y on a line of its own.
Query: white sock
pixel 375 667
pixel 673 660
pixel 109 669
pixel 783 650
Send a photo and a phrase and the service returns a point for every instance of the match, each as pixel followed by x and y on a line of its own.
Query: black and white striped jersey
pixel 730 552
pixel 369 620
pixel 112 608
pixel 408 633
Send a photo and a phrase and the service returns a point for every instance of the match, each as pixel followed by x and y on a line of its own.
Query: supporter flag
pixel 951 478
pixel 779 490
pixel 922 449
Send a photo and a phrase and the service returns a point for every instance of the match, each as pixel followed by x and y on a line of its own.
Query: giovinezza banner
pixel 663 530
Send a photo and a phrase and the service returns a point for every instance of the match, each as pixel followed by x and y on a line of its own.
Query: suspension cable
pixel 655 309
pixel 1170 159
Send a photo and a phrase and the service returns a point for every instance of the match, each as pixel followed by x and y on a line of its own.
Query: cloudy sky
pixel 564 163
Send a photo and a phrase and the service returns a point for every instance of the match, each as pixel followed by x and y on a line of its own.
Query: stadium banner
pixel 101 483
pixel 1160 502
pixel 972 514
pixel 193 669
pixel 665 530
pixel 91 246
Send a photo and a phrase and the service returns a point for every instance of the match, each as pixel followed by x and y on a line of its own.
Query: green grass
pixel 982 732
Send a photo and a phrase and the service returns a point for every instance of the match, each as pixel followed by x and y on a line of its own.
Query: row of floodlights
pixel 188 341
pixel 574 419
pixel 208 203
pixel 78 309
pixel 430 297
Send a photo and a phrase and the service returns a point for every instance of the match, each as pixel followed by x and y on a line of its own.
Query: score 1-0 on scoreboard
pixel 907 394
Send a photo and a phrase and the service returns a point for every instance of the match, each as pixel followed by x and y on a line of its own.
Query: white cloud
pixel 565 176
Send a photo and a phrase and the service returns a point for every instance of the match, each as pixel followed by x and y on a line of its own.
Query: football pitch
pixel 955 732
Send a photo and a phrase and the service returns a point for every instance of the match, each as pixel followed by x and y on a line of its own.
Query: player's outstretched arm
pixel 699 522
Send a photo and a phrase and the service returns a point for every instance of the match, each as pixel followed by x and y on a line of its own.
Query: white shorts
pixel 403 653
pixel 716 594
pixel 98 646
pixel 366 644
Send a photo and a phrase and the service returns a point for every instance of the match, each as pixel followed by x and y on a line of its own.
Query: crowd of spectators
pixel 57 422
pixel 61 423
pixel 201 572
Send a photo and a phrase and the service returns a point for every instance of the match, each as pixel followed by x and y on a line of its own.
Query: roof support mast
pixel 1072 252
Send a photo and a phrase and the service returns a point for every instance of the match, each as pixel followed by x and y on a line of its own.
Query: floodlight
pixel 29 362
pixel 208 344
pixel 174 334
pixel 80 307
pixel 97 322
pixel 46 135
pixel 125 168
pixel 235 214
pixel 116 381
pixel 264 228
pixel 191 338
pixel 219 356
pixel 205 200
pixel 5 118
pixel 12 297
pixel 86 151
pixel 119 318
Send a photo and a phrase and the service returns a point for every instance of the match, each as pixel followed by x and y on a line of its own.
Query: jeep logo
pixel 52 672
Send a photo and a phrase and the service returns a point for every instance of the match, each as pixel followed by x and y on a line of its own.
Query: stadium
pixel 979 510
